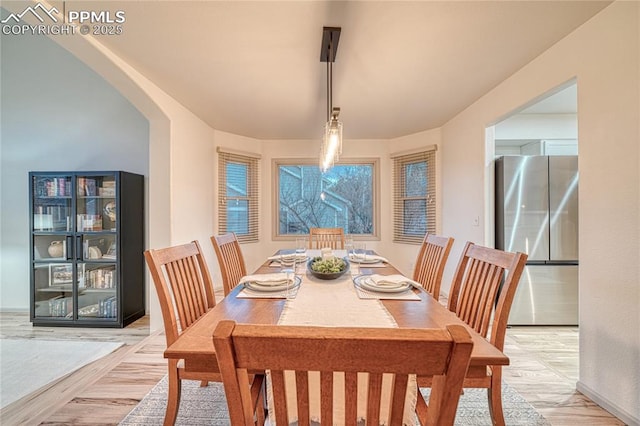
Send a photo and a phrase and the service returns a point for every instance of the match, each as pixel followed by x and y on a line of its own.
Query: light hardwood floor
pixel 544 369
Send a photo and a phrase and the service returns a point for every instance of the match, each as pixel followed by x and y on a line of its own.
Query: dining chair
pixel 481 294
pixel 431 261
pixel 230 260
pixel 326 237
pixel 185 292
pixel 300 349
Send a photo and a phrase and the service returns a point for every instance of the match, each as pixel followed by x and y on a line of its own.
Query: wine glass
pixel 301 245
pixel 289 268
pixel 360 252
pixel 348 245
pixel 358 256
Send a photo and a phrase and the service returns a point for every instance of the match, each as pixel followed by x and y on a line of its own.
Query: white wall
pixel 603 55
pixel 57 115
pixel 538 126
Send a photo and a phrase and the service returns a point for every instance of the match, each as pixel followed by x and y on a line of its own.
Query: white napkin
pixel 369 258
pixel 391 281
pixel 266 279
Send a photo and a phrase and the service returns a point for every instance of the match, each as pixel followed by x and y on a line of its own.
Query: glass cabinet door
pixel 96 203
pixel 97 291
pixel 52 203
pixel 54 290
pixel 98 282
pixel 96 228
pixel 52 224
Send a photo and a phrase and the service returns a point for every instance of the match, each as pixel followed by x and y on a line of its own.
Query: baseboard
pixel 611 407
pixel 14 310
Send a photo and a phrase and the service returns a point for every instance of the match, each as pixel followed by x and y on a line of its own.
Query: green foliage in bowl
pixel 327 269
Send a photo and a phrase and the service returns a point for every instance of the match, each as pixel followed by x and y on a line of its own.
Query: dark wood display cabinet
pixel 87 243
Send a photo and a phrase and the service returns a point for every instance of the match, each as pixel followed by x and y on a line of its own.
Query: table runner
pixel 336 304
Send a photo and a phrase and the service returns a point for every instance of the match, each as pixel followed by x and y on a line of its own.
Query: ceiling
pixel 563 102
pixel 253 67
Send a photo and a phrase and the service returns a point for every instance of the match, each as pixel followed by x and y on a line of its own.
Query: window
pixel 414 200
pixel 238 195
pixel 344 197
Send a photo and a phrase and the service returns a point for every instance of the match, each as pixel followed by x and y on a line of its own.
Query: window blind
pixel 238 195
pixel 414 196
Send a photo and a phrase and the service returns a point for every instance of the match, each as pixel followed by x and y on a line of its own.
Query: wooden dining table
pixel 195 345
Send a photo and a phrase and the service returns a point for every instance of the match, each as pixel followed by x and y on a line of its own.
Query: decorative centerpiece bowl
pixel 328 268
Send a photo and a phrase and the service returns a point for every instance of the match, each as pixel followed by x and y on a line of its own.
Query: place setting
pixel 357 253
pixel 287 259
pixel 277 285
pixel 378 286
pixel 290 258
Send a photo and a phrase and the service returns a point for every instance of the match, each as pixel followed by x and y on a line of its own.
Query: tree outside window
pixel 343 197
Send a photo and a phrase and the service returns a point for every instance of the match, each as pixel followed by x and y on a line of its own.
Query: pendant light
pixel 331 147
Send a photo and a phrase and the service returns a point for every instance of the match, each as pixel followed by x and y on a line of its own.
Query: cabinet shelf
pixel 87 244
pixel 99 197
pixel 68 288
pixel 53 197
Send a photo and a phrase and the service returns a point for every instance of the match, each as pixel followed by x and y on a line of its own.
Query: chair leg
pixel 173 397
pixel 204 384
pixel 494 394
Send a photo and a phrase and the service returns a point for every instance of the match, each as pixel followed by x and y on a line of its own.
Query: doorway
pixel 532 159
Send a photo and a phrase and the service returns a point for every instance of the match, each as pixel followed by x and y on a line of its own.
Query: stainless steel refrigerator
pixel 537 213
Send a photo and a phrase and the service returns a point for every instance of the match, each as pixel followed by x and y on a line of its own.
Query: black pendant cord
pixel 329 87
pixel 328 91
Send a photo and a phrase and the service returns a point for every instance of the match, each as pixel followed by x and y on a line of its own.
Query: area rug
pixel 208 406
pixel 29 364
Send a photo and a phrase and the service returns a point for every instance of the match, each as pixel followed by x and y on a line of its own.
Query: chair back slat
pixel 326 237
pixel 483 288
pixel 351 397
pixel 299 350
pixel 302 386
pixel 230 260
pixel 375 395
pixel 326 397
pixel 280 397
pixel 431 261
pixel 183 284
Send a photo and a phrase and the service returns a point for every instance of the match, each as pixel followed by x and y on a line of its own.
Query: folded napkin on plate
pixel 265 279
pixel 369 258
pixel 391 280
pixel 289 256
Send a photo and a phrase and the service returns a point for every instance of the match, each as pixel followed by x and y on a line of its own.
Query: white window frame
pixel 400 160
pixel 252 161
pixel 275 192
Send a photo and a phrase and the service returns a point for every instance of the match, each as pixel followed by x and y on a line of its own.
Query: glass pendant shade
pixel 331 147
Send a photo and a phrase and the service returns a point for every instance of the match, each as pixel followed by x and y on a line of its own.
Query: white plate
pixel 364 261
pixel 364 282
pixel 288 261
pixel 271 288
